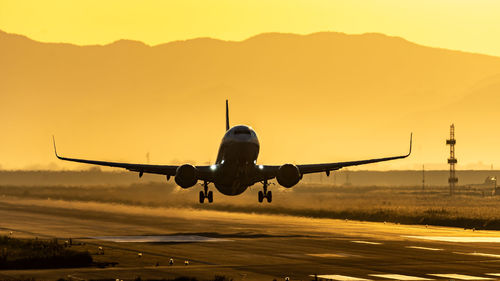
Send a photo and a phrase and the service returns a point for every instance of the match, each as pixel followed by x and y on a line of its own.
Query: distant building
pixel 491 181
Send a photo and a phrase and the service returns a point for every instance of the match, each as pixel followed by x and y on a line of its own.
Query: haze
pixel 311 96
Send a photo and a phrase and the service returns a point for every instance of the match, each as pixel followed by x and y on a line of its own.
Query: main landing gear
pixel 206 194
pixel 265 194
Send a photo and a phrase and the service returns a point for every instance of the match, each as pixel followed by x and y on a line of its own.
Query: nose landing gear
pixel 265 194
pixel 206 194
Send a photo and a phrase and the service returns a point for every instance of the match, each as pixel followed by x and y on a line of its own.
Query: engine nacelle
pixel 185 176
pixel 288 175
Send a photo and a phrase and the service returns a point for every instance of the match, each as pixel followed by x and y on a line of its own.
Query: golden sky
pixel 469 25
pixel 438 90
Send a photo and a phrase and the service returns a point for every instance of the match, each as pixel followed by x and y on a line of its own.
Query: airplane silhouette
pixel 236 166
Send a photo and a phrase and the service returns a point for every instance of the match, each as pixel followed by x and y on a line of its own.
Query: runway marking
pixel 458 239
pixel 160 239
pixel 400 277
pixel 327 255
pixel 341 277
pixel 461 277
pixel 479 254
pixel 424 248
pixel 366 242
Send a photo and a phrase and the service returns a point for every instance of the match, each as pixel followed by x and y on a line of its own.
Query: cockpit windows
pixel 242 132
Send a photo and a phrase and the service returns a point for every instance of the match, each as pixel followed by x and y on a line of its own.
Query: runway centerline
pixel 366 242
pixel 423 248
pixel 461 277
pixel 400 277
pixel 340 277
pixel 460 239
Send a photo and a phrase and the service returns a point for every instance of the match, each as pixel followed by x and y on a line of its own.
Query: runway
pixel 247 246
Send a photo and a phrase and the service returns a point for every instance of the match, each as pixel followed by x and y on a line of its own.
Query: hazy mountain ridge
pixel 332 61
pixel 130 92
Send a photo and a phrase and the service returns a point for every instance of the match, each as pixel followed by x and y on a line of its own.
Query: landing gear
pixel 206 194
pixel 210 197
pixel 202 197
pixel 265 194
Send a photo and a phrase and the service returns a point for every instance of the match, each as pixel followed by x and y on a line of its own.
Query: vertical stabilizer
pixel 227 116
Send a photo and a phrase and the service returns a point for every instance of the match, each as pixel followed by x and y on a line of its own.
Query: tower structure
pixel 452 180
pixel 423 177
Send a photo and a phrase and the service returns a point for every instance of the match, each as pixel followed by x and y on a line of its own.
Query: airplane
pixel 236 167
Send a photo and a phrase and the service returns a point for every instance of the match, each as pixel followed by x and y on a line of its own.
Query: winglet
pixel 227 116
pixel 411 137
pixel 55 149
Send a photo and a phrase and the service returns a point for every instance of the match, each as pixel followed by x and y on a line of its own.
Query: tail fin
pixel 227 116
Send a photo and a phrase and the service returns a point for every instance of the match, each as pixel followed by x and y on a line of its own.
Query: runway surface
pixel 248 246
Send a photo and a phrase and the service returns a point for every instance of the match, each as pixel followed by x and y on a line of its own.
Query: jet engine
pixel 288 175
pixel 185 176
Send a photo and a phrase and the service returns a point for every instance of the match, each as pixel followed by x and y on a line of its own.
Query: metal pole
pixel 423 177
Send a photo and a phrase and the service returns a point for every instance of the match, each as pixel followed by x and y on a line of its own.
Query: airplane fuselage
pixel 236 168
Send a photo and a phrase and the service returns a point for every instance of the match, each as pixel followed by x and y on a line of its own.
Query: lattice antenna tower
pixel 452 180
pixel 423 177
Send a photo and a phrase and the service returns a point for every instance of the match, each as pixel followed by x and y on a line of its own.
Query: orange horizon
pixel 460 25
pixel 240 41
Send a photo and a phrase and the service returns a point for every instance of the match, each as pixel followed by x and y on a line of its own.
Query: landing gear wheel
pixel 264 193
pixel 269 196
pixel 210 197
pixel 202 197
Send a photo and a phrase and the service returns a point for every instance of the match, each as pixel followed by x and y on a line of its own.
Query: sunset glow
pixel 455 24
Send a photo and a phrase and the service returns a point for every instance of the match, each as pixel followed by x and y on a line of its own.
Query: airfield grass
pixel 468 207
pixel 35 253
pixel 215 278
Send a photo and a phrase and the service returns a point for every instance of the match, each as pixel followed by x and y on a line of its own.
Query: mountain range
pixel 320 97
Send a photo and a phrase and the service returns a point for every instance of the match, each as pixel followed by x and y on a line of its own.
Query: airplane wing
pixel 168 170
pixel 271 171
